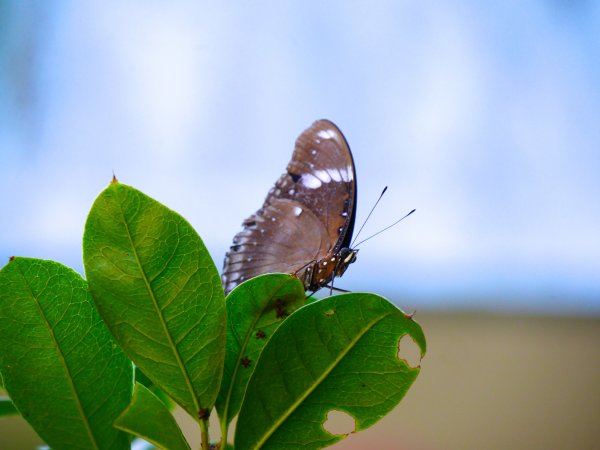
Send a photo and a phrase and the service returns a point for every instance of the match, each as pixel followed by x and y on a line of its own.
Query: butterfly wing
pixel 307 216
pixel 265 246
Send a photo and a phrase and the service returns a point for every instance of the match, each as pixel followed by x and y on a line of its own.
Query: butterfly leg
pixel 308 274
pixel 332 288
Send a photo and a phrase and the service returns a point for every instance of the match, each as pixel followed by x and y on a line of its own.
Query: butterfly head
pixel 346 256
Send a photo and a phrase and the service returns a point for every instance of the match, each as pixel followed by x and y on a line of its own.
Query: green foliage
pixel 265 355
pixel 340 353
pixel 59 364
pixel 159 292
pixel 255 309
pixel 147 417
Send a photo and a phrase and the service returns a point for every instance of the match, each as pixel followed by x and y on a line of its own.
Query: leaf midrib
pixel 163 323
pixel 61 356
pixel 316 383
pixel 243 348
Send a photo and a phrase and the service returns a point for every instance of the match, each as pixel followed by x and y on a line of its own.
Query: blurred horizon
pixel 483 117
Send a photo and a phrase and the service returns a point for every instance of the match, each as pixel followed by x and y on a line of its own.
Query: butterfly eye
pixel 350 258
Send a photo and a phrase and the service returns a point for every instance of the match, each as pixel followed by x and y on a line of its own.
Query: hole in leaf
pixel 339 423
pixel 409 351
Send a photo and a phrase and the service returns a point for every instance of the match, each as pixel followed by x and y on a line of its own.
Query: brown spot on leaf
pixel 245 361
pixel 280 310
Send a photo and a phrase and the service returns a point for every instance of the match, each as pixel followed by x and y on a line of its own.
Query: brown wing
pixel 307 216
pixel 321 176
pixel 265 246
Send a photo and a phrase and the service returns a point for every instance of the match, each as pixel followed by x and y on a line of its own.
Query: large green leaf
pixel 148 418
pixel 340 353
pixel 60 366
pixel 254 311
pixel 157 288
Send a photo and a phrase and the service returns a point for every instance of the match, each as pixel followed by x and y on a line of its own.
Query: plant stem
pixel 204 435
pixel 224 429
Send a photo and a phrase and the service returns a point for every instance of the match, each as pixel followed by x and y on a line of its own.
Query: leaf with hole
pixel 60 366
pixel 255 309
pixel 156 286
pixel 147 417
pixel 340 353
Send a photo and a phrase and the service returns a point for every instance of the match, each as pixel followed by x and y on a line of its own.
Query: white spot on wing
pixel 335 175
pixel 347 175
pixel 323 175
pixel 326 134
pixel 310 181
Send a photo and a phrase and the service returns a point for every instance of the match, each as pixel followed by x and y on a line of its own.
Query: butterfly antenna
pixel 386 228
pixel 371 212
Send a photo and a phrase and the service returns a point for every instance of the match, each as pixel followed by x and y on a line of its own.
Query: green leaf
pixel 157 288
pixel 147 383
pixel 147 417
pixel 7 408
pixel 60 366
pixel 255 309
pixel 340 353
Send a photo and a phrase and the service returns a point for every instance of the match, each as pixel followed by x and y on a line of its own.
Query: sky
pixel 481 115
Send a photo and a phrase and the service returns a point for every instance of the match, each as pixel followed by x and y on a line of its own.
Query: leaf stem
pixel 204 434
pixel 224 430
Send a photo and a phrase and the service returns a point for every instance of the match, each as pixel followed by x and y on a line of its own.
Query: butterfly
pixel 305 224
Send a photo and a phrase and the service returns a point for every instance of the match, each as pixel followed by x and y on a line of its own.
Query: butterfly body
pixel 305 224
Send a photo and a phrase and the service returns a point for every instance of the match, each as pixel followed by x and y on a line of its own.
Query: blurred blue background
pixel 484 116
